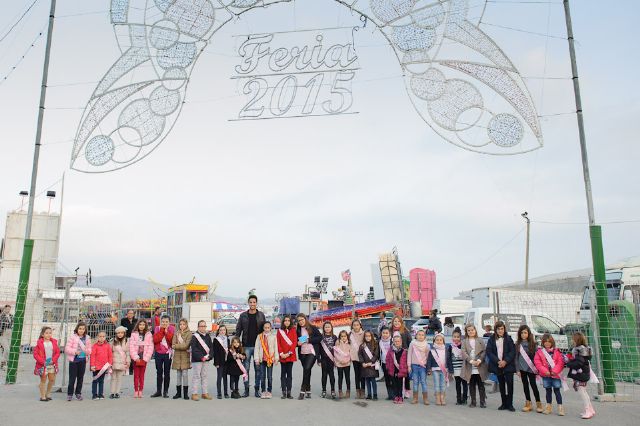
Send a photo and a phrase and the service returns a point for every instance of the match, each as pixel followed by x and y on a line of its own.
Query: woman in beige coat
pixel 181 358
pixel 474 367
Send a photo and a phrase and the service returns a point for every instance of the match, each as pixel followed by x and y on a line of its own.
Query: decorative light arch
pixel 447 60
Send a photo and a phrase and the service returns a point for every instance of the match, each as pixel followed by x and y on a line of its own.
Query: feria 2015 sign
pixel 461 83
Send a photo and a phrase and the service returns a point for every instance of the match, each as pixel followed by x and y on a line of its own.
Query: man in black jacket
pixel 250 324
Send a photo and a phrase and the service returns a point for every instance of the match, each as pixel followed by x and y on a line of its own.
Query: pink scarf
pixel 418 355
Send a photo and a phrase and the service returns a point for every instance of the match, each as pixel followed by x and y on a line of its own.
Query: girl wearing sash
pixel 342 357
pixel 46 354
pixel 181 362
pixel 440 366
pixel 309 339
pixel 550 362
pixel 121 360
pixel 397 326
pixel 501 354
pixel 235 366
pixel 162 340
pixel 454 351
pixel 417 357
pixel 474 369
pixel 220 350
pixel 580 372
pixel 327 358
pixel 266 356
pixel 397 368
pixel 101 362
pixel 287 338
pixel 78 348
pixel 201 354
pixel 385 345
pixel 356 337
pixel 369 356
pixel 526 348
pixel 140 350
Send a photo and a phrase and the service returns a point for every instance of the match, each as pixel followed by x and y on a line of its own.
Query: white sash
pixel 527 360
pixel 102 371
pixel 328 351
pixel 376 365
pixel 82 345
pixel 457 352
pixel 226 349
pixel 202 343
pixel 552 365
pixel 384 348
pixel 340 355
pixel 395 361
pixel 285 337
pixel 166 345
pixel 442 367
pixel 245 376
pixel 417 354
pixel 119 349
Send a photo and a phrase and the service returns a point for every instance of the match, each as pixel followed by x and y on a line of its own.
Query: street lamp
pixel 525 215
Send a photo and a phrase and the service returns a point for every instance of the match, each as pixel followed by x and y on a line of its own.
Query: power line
pixel 18 21
pixel 13 68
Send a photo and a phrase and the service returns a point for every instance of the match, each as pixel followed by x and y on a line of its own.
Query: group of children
pixel 403 361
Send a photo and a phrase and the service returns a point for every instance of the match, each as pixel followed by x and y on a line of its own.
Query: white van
pixel 539 324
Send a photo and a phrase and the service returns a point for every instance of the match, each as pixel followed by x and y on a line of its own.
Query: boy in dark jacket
pixel 201 354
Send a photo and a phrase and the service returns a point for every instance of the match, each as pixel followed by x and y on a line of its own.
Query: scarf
pixel 500 347
pixel 418 351
pixel 457 352
pixel 224 342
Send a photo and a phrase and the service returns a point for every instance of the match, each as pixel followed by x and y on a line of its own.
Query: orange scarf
pixel 265 348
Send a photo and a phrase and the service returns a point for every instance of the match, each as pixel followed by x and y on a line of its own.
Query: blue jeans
pixel 97 386
pixel 419 377
pixel 551 382
pixel 438 381
pixel 248 351
pixel 372 386
pixel 266 376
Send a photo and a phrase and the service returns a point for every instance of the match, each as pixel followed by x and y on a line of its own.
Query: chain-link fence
pixel 563 314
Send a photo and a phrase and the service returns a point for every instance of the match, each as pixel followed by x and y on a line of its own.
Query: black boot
pixel 178 394
pixel 185 392
pixel 246 390
pixel 289 395
pixel 389 393
pixel 165 394
pixel 483 396
pixel 158 387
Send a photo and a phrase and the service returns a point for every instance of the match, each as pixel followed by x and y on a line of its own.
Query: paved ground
pixel 19 405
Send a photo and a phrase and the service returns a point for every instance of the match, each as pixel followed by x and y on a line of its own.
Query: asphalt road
pixel 19 405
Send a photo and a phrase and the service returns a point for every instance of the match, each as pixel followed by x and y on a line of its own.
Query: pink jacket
pixel 540 361
pixel 39 354
pixel 147 343
pixel 101 355
pixel 403 369
pixel 72 346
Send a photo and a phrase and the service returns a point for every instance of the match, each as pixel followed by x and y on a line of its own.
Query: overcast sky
pixel 269 204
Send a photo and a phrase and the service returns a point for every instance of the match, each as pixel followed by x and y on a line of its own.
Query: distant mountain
pixel 136 288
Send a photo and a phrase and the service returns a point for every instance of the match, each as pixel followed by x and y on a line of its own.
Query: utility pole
pixel 25 265
pixel 595 231
pixel 525 215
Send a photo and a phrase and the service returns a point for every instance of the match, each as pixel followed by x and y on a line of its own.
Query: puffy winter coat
pixel 402 370
pixel 72 347
pixel 39 354
pixel 448 361
pixel 508 355
pixel 578 365
pixel 541 363
pixel 100 355
pixel 121 358
pixel 146 344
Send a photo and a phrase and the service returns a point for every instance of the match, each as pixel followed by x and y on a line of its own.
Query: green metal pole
pixel 25 265
pixel 21 300
pixel 602 308
pixel 597 253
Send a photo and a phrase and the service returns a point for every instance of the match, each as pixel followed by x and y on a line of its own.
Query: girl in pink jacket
pixel 140 350
pixel 78 348
pixel 46 355
pixel 550 362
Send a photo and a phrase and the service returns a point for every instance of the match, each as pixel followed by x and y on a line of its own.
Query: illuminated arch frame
pixel 130 114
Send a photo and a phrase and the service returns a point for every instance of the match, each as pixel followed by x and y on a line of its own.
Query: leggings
pixel 163 372
pixel 357 372
pixel 461 389
pixel 138 377
pixel 582 391
pixel 328 371
pixel 550 392
pixel 344 372
pixel 116 381
pixel 476 381
pixel 307 362
pixel 221 379
pixel 233 384
pixel 76 376
pixel 529 379
pixel 286 378
pixel 182 377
